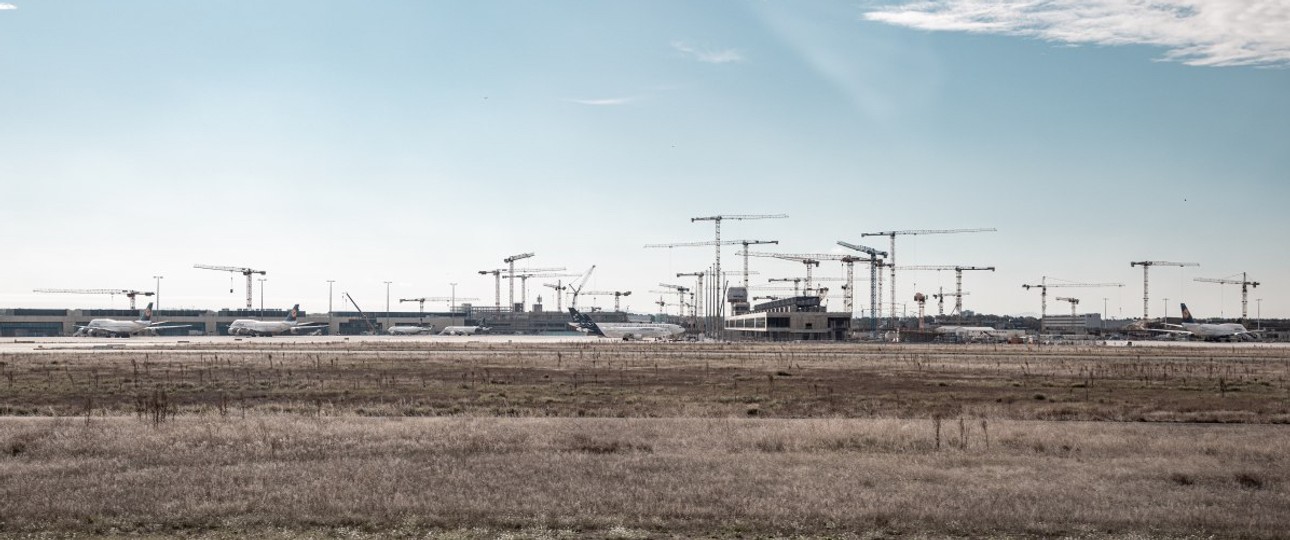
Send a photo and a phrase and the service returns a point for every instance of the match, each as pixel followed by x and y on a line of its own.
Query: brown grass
pixel 1211 384
pixel 481 440
pixel 648 477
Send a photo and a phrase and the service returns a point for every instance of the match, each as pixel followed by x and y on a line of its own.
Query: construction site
pixel 716 303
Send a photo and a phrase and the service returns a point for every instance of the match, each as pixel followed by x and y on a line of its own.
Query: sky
pixel 421 142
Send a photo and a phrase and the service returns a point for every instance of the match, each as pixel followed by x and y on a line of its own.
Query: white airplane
pixel 978 333
pixel 115 328
pixel 624 331
pixel 1208 331
pixel 252 327
pixel 410 330
pixel 463 330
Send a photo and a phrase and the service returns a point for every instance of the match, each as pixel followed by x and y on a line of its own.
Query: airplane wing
pixel 1168 331
pixel 170 326
pixel 310 325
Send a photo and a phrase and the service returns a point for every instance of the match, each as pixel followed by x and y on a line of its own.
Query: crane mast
pixel 1146 267
pixel 248 272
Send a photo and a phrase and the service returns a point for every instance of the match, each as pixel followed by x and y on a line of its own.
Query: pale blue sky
pixel 419 142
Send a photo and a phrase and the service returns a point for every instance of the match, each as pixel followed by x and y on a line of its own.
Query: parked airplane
pixel 1208 331
pixel 252 327
pixel 115 328
pixel 463 330
pixel 410 330
pixel 624 331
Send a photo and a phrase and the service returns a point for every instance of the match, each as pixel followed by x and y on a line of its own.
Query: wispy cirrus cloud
pixel 1194 32
pixel 5 5
pixel 721 56
pixel 602 102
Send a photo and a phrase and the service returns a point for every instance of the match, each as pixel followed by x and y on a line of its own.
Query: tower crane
pixel 796 281
pixel 1073 301
pixel 940 300
pixel 680 293
pixel 497 280
pixel 1043 287
pixel 421 308
pixel 559 288
pixel 1245 284
pixel 576 285
pixel 891 261
pixel 699 307
pixel 615 294
pixel 812 260
pixel 716 222
pixel 248 272
pixel 1146 266
pixel 744 243
pixel 510 276
pixel 958 280
pixel 524 283
pixel 874 264
pixel 129 293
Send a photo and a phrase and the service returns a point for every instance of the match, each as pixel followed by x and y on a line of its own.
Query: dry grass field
pixel 484 440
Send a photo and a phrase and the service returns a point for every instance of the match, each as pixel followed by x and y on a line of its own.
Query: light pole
pixel 330 282
pixel 452 305
pixel 262 280
pixel 157 289
pixel 1104 299
pixel 1166 319
pixel 387 304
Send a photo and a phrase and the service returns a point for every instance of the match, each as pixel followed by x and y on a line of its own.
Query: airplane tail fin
pixel 146 314
pixel 1186 314
pixel 295 311
pixel 582 321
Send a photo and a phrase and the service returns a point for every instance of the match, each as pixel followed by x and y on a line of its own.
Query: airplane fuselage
pixel 459 330
pixel 1210 331
pixel 409 330
pixel 252 327
pixel 113 328
pixel 629 331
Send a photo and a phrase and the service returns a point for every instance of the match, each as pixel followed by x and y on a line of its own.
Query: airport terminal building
pixel 801 318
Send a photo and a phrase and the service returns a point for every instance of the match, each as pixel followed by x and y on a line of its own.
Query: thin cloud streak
pixel 4 6
pixel 1194 32
pixel 604 101
pixel 724 56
